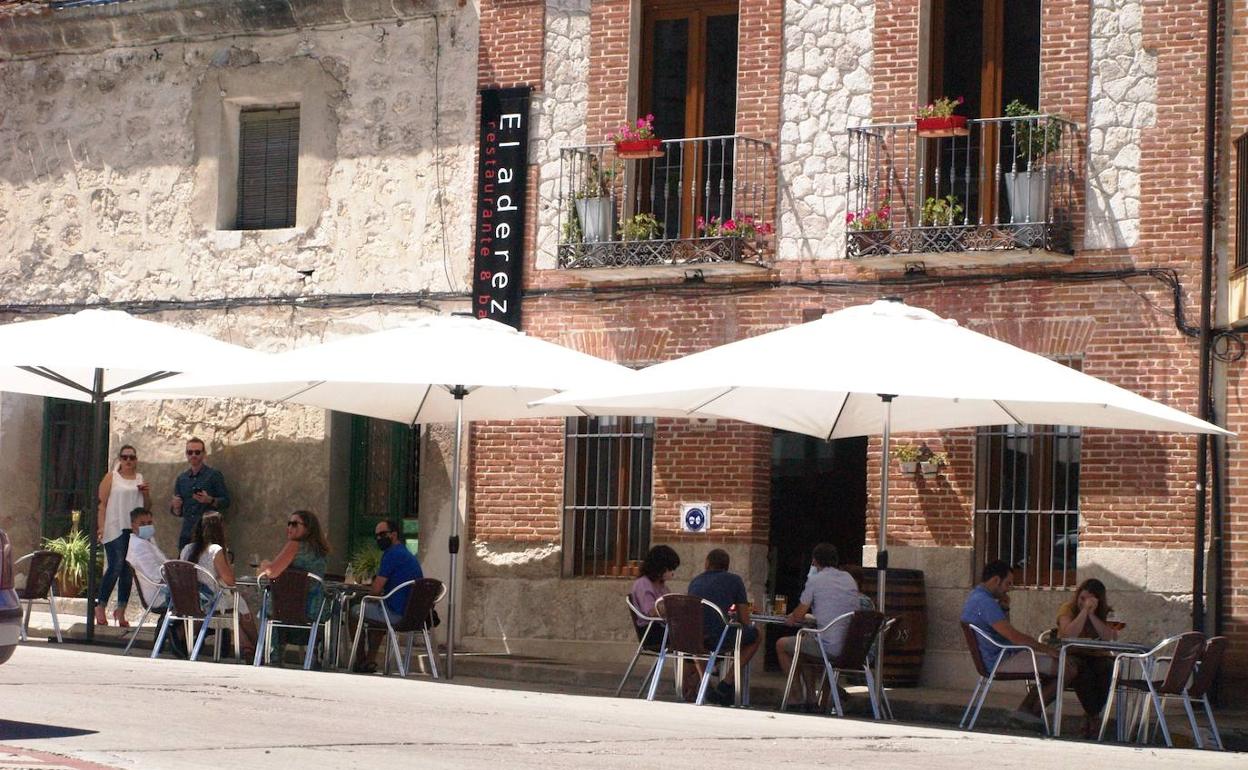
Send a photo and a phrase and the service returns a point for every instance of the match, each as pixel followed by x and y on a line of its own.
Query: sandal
pixel 101 616
pixel 120 617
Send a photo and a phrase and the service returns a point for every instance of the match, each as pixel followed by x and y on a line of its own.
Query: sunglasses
pixel 190 452
pixel 129 457
pixel 294 523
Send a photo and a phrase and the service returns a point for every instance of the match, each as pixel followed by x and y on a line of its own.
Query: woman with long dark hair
pixel 208 549
pixel 1086 616
pixel 658 567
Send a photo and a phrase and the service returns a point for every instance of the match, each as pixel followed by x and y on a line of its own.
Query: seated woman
pixel 306 548
pixel 207 549
pixel 1086 616
pixel 657 568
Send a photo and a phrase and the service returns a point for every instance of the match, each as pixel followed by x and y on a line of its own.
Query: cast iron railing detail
pixel 691 201
pixel 1005 183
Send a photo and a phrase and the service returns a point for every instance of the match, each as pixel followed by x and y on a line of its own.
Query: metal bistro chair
pixel 649 641
pixel 148 608
pixel 286 606
pixel 1207 669
pixel 1188 648
pixel 424 595
pixel 182 579
pixel 863 630
pixel 40 584
pixel 684 637
pixel 986 677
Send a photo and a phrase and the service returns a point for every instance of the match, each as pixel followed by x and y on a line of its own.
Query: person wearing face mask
pixel 398 566
pixel 146 558
pixel 829 593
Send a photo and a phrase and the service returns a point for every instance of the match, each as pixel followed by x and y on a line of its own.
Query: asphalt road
pixel 166 714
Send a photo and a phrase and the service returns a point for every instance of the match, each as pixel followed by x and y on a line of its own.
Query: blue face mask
pixel 147 531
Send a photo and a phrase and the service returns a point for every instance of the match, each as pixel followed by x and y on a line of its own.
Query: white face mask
pixel 147 531
pixel 813 571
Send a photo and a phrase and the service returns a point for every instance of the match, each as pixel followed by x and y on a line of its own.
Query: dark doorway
pixel 67 485
pixel 384 481
pixel 818 494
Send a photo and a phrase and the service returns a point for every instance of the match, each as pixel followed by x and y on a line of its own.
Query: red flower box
pixel 639 148
pixel 953 125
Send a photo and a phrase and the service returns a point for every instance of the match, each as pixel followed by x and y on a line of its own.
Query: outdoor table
pixel 1065 646
pixel 342 594
pixel 741 695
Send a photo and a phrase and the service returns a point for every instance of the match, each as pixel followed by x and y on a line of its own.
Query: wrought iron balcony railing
pixel 996 184
pixel 688 201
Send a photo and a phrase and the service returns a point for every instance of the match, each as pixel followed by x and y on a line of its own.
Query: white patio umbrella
pixel 436 369
pixel 97 356
pixel 872 369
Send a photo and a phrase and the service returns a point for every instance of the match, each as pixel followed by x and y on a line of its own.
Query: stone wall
pixel 827 87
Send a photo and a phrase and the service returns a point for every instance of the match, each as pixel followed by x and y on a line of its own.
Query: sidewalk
pixel 921 705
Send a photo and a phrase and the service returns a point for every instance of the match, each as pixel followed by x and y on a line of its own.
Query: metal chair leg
pixel 56 626
pixel 135 634
pixel 411 639
pixel 658 669
pixel 833 679
pixel 1213 725
pixel 160 637
pixel 971 703
pixel 871 692
pixel 629 671
pixel 980 704
pixel 788 684
pixel 433 659
pixel 1161 716
pixel 355 639
pixel 1191 720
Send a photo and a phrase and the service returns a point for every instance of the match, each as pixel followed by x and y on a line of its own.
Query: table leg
pixel 736 667
pixel 238 647
pixel 1061 688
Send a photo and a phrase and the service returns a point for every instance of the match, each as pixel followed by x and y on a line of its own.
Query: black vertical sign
pixel 502 166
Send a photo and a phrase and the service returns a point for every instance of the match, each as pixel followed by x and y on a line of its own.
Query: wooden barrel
pixel 905 598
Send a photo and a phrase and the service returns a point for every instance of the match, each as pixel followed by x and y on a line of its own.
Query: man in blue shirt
pixel 398 566
pixel 198 489
pixel 723 589
pixel 985 609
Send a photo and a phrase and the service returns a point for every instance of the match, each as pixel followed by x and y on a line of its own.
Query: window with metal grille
pixel 608 476
pixel 1027 500
pixel 1241 202
pixel 268 168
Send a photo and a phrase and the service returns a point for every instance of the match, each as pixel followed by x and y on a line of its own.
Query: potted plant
pixel 595 205
pixel 907 457
pixel 1027 183
pixel 75 553
pixel 638 140
pixel 931 464
pixel 870 231
pixel 745 227
pixel 944 218
pixel 640 227
pixel 937 118
pixel 363 565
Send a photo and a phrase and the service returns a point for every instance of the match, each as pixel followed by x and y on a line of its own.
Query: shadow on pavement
pixel 21 731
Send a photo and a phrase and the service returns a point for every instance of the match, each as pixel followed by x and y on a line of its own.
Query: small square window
pixel 268 168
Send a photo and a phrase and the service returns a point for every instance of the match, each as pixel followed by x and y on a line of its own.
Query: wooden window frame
pixel 252 206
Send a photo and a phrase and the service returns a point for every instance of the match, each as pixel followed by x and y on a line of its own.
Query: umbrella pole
pixel 453 543
pixel 881 551
pixel 99 466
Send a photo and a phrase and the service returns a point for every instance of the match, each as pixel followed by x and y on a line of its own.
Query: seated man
pixel 146 558
pixel 829 593
pixel 985 608
pixel 723 589
pixel 398 566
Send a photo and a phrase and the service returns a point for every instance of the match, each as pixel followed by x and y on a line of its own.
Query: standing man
pixel 398 566
pixel 198 489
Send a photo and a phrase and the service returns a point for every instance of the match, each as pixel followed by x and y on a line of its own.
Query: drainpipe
pixel 1206 308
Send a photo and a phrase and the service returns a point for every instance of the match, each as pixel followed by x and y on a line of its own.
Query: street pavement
pixel 132 712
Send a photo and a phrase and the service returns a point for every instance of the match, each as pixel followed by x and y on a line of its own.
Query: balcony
pixel 700 203
pixel 999 191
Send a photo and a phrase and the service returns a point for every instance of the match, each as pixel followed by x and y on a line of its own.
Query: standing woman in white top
pixel 121 491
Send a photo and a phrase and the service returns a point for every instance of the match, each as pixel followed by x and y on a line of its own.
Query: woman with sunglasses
pixel 121 491
pixel 306 549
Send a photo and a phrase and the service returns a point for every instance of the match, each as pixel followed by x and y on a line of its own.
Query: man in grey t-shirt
pixel 829 593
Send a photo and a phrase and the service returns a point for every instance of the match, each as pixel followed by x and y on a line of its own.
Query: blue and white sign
pixel 695 517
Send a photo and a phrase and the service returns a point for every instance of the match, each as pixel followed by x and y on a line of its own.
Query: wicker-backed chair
pixel 182 580
pixel 1207 670
pixel 684 637
pixel 40 584
pixel 863 630
pixel 425 593
pixel 1188 649
pixel 286 605
pixel 649 641
pixel 988 676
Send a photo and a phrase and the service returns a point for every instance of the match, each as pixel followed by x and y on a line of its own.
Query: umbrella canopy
pixel 825 378
pixel 410 374
pixel 437 369
pixel 98 355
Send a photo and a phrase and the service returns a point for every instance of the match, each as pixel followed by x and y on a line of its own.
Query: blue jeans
pixel 118 572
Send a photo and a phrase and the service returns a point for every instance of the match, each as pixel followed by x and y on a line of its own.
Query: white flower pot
pixel 909 468
pixel 930 470
pixel 1028 194
pixel 597 217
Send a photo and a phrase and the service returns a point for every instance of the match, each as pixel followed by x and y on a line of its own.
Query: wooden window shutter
pixel 268 168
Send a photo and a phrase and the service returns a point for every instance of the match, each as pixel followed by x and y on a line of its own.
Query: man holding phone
pixel 198 489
